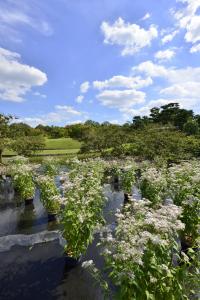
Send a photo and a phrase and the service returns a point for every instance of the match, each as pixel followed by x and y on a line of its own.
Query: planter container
pixel 52 217
pixel 71 262
pixel 127 198
pixel 29 201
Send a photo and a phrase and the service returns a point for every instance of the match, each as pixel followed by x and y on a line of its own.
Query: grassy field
pixel 55 146
pixel 62 143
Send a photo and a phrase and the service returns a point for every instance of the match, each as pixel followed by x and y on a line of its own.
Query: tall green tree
pixel 4 133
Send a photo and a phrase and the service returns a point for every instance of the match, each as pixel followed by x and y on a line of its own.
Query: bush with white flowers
pixel 139 255
pixel 84 203
pixel 22 175
pixel 49 193
pixel 153 185
pixel 184 189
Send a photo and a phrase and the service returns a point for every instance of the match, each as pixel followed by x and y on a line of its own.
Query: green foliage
pixel 164 142
pixel 153 186
pixel 25 186
pixel 4 133
pixel 21 129
pixel 61 143
pixel 191 127
pixel 50 166
pixel 127 176
pixel 49 194
pixel 184 189
pixel 83 207
pixel 22 175
pixel 28 145
pixel 103 138
pixel 139 255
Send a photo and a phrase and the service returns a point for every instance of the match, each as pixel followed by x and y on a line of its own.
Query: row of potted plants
pixel 142 255
pixel 180 183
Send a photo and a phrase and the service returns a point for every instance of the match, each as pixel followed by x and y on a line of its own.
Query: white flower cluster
pixel 3 170
pixel 84 201
pixel 154 185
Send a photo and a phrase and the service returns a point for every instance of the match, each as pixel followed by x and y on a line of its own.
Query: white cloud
pixel 121 99
pixel 16 78
pixel 183 90
pixel 169 37
pixel 39 94
pixel 193 30
pixel 68 109
pixel 13 13
pixel 145 110
pixel 165 54
pixel 195 48
pixel 146 16
pixel 120 81
pixel 150 69
pixel 182 85
pixel 84 87
pixel 62 114
pixel 172 75
pixel 188 20
pixel 131 37
pixel 79 99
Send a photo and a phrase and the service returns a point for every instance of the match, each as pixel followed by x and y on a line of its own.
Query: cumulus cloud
pixel 131 37
pixel 84 87
pixel 165 54
pixel 182 84
pixel 146 16
pixel 171 74
pixel 183 90
pixel 67 109
pixel 16 78
pixel 169 37
pixel 62 114
pixel 79 99
pixel 189 20
pixel 120 81
pixel 195 48
pixel 145 110
pixel 193 30
pixel 121 99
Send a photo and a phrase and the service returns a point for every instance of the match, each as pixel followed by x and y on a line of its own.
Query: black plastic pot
pixel 29 201
pixel 51 217
pixel 71 262
pixel 127 198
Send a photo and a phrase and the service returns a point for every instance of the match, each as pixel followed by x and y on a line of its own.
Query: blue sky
pixel 66 61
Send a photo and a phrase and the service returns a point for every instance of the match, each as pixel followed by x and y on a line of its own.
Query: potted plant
pixel 127 179
pixel 49 195
pixel 82 213
pixel 138 255
pixel 23 182
pixel 153 185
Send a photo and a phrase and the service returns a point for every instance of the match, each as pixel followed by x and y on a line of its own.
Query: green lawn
pixel 55 146
pixel 62 143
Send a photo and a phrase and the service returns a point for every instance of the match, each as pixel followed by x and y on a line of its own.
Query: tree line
pixel 169 131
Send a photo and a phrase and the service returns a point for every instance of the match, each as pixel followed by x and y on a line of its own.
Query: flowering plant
pixel 139 254
pixel 82 213
pixel 50 166
pixel 153 185
pixel 127 176
pixel 22 175
pixel 49 193
pixel 184 189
